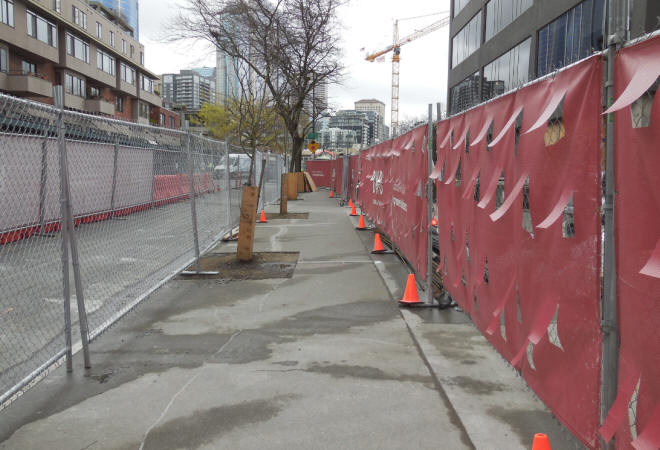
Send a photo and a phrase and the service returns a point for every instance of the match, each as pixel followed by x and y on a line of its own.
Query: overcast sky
pixel 367 23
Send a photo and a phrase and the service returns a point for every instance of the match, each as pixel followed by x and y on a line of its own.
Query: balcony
pixel 98 105
pixel 150 98
pixel 28 84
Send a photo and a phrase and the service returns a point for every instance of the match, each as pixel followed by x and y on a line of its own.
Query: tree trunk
pixel 296 152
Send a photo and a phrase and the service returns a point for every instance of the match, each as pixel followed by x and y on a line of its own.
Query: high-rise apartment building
pixel 226 77
pixel 498 45
pixel 81 46
pixel 127 10
pixel 376 114
pixel 190 89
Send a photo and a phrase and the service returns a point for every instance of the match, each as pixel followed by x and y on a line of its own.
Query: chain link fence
pixel 144 202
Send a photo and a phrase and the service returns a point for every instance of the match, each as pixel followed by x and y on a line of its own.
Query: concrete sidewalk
pixel 324 359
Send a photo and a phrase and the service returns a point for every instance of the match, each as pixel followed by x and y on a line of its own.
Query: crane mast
pixel 395 48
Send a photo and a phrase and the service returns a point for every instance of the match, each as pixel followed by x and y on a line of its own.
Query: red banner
pixel 336 174
pixel 634 419
pixel 320 171
pixel 392 193
pixel 519 196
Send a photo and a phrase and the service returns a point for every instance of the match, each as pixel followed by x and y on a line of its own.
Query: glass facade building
pixel 466 41
pixel 128 10
pixel 500 13
pixel 510 42
pixel 575 35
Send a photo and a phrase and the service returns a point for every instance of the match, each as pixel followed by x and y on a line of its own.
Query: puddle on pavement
pixel 264 265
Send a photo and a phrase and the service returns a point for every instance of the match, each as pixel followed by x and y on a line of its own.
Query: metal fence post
pixel 429 209
pixel 58 95
pixel 42 188
pixel 68 225
pixel 193 206
pixel 114 177
pixel 228 177
pixel 609 319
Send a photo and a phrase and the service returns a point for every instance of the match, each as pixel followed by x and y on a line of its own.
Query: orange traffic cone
pixel 378 245
pixel 541 442
pixel 350 202
pixel 410 296
pixel 353 211
pixel 262 218
pixel 332 194
pixel 361 224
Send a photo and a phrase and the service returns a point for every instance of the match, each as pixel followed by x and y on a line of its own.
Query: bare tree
pixel 291 46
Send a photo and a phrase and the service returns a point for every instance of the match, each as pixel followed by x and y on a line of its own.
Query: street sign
pixel 311 136
pixel 313 146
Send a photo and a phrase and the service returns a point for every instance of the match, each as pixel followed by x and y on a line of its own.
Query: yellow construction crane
pixel 396 49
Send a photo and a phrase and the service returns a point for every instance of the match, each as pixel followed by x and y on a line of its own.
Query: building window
pixel 132 51
pixel 7 12
pixel 466 41
pixel 99 30
pixel 28 68
pixel 127 73
pixel 172 123
pixel 143 110
pixel 4 66
pixel 112 38
pixel 119 104
pixel 94 92
pixel 500 13
pixel 79 18
pixel 459 5
pixel 574 35
pixel 123 46
pixel 41 29
pixel 77 48
pixel 465 94
pixel 105 62
pixel 146 83
pixel 162 120
pixel 142 58
pixel 507 72
pixel 57 5
pixel 74 85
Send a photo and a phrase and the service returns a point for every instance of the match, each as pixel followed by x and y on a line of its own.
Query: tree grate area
pixel 264 265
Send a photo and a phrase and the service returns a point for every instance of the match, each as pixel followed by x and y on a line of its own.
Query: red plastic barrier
pixel 634 419
pixel 392 194
pixel 533 292
pixel 320 171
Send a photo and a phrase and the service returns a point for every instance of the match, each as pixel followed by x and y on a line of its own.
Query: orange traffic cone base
pixel 378 244
pixel 410 295
pixel 361 224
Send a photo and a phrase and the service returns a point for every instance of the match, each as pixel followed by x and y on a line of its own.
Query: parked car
pixel 239 167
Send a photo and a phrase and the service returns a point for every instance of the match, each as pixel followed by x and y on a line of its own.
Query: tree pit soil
pixel 264 265
pixel 276 216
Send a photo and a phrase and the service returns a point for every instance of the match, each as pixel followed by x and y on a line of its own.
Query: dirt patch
pixel 275 216
pixel 264 265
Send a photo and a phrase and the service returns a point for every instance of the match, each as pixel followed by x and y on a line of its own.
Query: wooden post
pixel 283 196
pixel 300 179
pixel 292 186
pixel 247 223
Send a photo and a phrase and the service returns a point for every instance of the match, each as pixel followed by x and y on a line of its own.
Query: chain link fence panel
pixel 131 188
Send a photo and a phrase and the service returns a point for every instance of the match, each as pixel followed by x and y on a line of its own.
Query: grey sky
pixel 367 23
